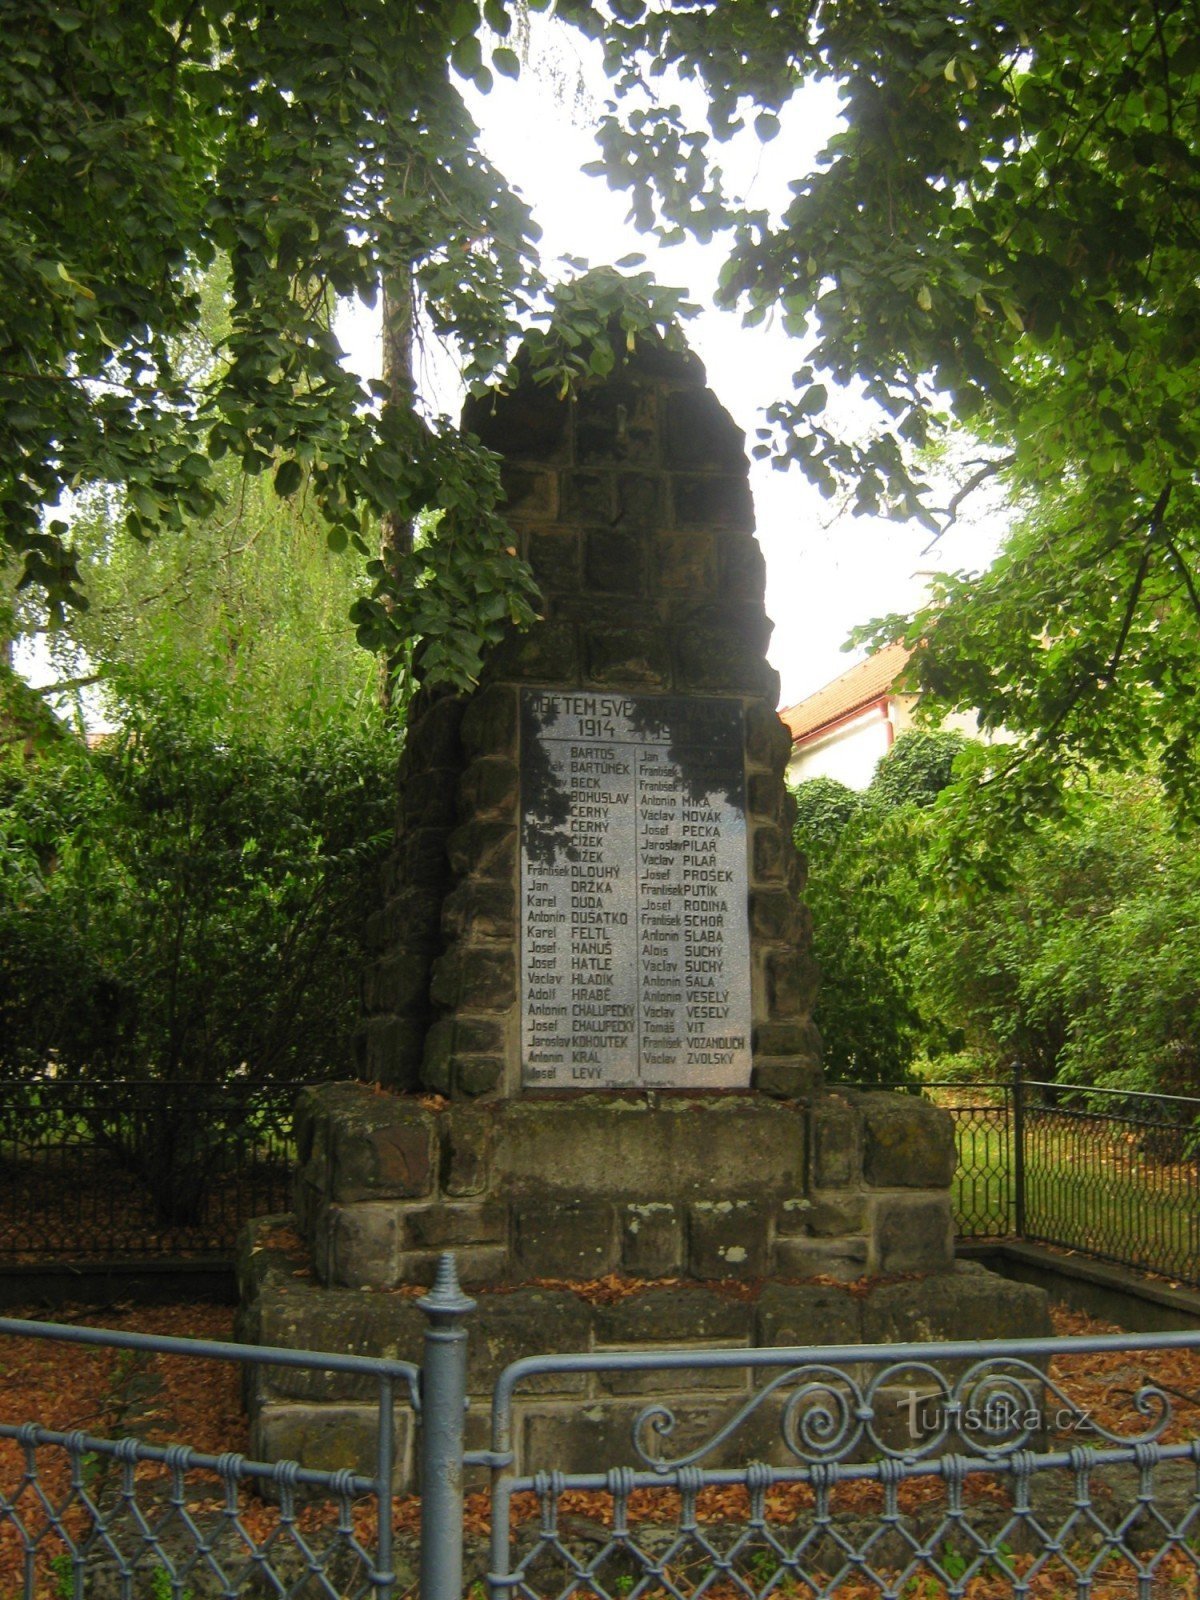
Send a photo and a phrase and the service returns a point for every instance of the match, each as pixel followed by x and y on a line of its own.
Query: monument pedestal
pixel 729 1186
pixel 592 1069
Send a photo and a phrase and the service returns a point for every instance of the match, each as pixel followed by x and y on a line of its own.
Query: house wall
pixel 852 749
pixel 850 752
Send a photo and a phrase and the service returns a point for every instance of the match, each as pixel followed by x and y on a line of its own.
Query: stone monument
pixel 587 1047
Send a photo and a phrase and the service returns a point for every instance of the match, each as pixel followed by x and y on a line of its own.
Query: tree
pixel 186 904
pixel 1085 966
pixel 869 890
pixel 325 153
pixel 1003 237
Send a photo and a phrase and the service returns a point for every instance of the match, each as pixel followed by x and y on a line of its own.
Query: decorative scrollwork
pixel 907 1411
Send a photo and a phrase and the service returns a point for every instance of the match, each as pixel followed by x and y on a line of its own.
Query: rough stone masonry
pixel 587 1044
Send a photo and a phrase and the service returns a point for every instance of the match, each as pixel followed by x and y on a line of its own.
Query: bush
pixel 186 903
pixel 866 870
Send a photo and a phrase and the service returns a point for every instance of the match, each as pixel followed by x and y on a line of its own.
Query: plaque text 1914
pixel 635 945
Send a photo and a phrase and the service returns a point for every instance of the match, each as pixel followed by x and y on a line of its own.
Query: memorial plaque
pixel 635 945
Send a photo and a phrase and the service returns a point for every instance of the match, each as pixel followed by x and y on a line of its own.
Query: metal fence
pixel 1109 1173
pixel 113 1170
pixel 916 1472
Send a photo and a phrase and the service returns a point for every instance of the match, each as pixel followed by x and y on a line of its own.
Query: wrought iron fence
pixel 115 1170
pixel 92 1515
pixel 922 1472
pixel 1107 1172
pixel 954 1471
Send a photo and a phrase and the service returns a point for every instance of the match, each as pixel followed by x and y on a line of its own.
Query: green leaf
pixel 289 475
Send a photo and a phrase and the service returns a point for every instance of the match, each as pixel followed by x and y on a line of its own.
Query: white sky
pixel 826 572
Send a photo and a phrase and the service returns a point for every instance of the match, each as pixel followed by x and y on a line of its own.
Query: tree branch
pixel 989 469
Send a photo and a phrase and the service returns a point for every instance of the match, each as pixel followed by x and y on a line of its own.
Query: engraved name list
pixel 635 947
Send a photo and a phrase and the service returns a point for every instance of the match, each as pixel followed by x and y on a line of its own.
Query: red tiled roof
pixel 855 688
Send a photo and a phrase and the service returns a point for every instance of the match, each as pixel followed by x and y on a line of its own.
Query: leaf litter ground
pixel 171 1399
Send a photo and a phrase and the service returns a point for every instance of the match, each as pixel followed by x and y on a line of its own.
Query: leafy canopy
pixel 322 152
pixel 1002 236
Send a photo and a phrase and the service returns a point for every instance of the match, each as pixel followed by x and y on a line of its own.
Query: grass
pixel 1094 1184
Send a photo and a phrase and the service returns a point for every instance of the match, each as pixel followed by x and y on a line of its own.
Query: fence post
pixel 443 1415
pixel 1018 1143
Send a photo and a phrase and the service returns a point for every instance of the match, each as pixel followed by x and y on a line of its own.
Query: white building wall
pixel 850 753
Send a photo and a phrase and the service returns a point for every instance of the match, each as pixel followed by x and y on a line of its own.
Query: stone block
pixel 466 1148
pixel 488 788
pixel 529 422
pixel 913 1233
pixel 489 723
pixel 720 617
pixel 793 979
pixel 909 1142
pixel 764 730
pixel 787 1039
pixel 595 1147
pixel 700 435
pixel 521 1323
pixel 641 500
pixel 486 850
pixel 617 422
pixel 635 658
pixel 675 1314
pixel 713 502
pixel 652 1244
pixel 548 653
pixel 719 660
pixel 447 1226
pixel 297 1313
pixel 478 1265
pixel 475 910
pixel 365 1242
pixel 844 1259
pixel 806 1314
pixel 792 1216
pixel 767 852
pixel 790 1079
pixel 614 561
pixel 764 796
pixel 727 1239
pixel 841 1211
pixel 651 1380
pixel 967 1301
pixel 421 856
pixel 428 798
pixel 530 495
pixel 685 562
pixel 589 498
pixel 772 914
pixel 331 1438
pixel 600 1433
pixel 391 1051
pixel 741 568
pixel 477 977
pixel 380 1146
pixel 553 554
pixel 478 1075
pixel 433 736
pixel 836 1142
pixel 560 1238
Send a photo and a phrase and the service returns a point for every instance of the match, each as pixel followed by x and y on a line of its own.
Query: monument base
pixel 733 1185
pixel 584 1421
pixel 585 1222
